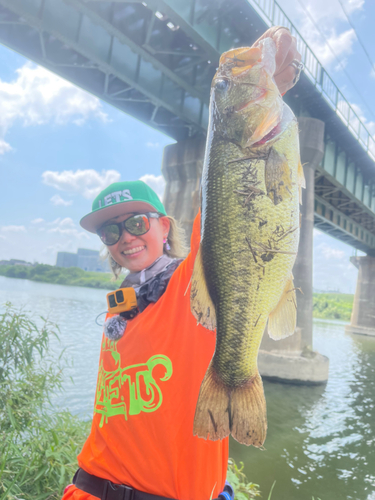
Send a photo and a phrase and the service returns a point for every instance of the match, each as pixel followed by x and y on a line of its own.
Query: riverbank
pixel 333 306
pixel 325 305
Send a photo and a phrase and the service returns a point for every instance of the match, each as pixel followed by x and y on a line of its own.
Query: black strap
pixel 106 490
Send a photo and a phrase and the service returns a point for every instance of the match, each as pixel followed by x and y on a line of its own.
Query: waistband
pixel 106 490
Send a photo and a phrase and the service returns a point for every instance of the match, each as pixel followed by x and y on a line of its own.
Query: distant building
pixel 88 260
pixel 66 259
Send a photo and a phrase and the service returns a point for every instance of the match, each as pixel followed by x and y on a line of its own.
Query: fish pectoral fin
pixel 201 304
pixel 300 181
pixel 282 320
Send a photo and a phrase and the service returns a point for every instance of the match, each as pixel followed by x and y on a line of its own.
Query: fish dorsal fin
pixel 300 181
pixel 282 320
pixel 200 300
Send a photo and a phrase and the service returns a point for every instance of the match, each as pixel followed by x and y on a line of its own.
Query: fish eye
pixel 222 85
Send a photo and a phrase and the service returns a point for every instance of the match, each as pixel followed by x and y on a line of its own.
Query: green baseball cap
pixel 119 198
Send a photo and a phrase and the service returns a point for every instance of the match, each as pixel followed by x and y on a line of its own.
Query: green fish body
pixel 249 239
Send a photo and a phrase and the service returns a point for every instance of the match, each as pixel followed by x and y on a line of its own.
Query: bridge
pixel 155 60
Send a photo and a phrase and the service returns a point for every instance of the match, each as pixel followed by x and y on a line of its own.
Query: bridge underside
pixel 339 215
pixel 155 61
pixel 117 51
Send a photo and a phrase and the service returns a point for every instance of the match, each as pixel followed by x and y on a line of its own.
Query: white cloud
pixel 37 221
pixel 68 228
pixel 331 49
pixel 4 147
pixel 369 125
pixel 53 223
pixel 316 17
pixel 152 145
pixel 353 5
pixel 57 200
pixel 70 232
pixel 338 44
pixel 38 97
pixel 67 222
pixel 343 109
pixel 157 183
pixel 13 229
pixel 87 183
pixel 62 234
pixel 332 253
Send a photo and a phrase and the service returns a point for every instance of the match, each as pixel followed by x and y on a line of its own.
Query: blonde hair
pixel 176 240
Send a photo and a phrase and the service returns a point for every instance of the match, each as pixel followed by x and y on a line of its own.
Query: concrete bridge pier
pixel 182 169
pixel 363 314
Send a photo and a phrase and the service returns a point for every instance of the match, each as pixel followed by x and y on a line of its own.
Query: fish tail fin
pixel 212 411
pixel 223 410
pixel 249 414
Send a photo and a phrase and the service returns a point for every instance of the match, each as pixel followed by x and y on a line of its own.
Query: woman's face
pixel 138 252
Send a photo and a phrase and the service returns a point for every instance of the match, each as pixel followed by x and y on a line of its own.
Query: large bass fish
pixel 242 277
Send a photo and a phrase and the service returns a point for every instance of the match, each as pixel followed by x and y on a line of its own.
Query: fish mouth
pixel 239 60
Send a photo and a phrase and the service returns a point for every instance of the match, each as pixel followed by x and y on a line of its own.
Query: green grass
pixel 73 276
pixel 332 306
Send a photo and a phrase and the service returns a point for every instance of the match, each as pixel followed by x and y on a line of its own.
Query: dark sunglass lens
pixel 109 234
pixel 137 225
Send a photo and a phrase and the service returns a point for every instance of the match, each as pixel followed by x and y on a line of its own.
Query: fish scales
pixel 232 275
pixel 249 241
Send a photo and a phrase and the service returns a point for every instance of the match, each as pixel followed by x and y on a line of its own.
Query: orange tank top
pixel 147 390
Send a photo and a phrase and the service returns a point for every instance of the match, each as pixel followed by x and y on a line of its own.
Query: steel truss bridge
pixel 155 60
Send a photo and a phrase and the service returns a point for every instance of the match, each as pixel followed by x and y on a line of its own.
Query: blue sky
pixel 59 146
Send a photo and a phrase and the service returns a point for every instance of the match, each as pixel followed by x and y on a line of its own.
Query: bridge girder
pixel 155 60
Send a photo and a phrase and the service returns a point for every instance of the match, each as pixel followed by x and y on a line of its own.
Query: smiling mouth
pixel 134 250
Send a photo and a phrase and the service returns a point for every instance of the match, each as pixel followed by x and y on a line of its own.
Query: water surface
pixel 321 440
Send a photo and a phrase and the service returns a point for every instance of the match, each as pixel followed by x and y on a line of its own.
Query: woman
pixel 151 367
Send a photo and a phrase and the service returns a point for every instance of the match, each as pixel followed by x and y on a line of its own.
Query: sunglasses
pixel 136 225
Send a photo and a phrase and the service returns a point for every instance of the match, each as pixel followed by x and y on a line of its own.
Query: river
pixel 321 440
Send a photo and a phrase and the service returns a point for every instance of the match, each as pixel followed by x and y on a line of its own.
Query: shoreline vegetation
pixel 325 305
pixel 72 276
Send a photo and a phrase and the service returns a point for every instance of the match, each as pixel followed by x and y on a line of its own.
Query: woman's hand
pixel 286 74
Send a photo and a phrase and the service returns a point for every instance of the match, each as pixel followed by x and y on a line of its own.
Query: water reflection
pixel 321 439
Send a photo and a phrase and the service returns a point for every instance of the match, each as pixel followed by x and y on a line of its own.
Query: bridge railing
pixel 273 14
